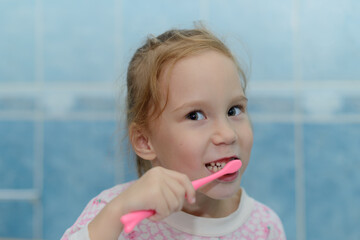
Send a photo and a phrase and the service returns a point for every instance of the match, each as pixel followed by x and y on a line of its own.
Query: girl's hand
pixel 160 189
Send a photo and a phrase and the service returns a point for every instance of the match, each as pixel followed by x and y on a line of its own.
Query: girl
pixel 186 119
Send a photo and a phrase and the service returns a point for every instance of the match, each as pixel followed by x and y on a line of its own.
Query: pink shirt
pixel 252 220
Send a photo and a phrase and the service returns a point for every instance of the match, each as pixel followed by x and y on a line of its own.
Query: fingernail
pixel 192 200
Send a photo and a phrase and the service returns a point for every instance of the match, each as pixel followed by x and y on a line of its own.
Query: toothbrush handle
pixel 130 220
pixel 202 181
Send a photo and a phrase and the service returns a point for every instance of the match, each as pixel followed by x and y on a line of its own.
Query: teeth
pixel 214 167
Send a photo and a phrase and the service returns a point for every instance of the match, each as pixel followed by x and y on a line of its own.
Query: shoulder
pixel 109 194
pixel 92 209
pixel 268 219
pixel 264 212
pixel 256 209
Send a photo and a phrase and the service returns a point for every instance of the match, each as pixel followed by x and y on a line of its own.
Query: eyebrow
pixel 241 98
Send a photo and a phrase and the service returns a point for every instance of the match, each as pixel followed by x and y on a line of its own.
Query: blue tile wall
pixel 16 154
pixel 16 219
pixel 153 17
pixel 17 34
pixel 101 104
pixel 79 35
pixel 145 18
pixel 129 162
pixel 248 23
pixel 17 103
pixel 79 164
pixel 332 181
pixel 271 104
pixel 62 66
pixel 330 44
pixel 270 164
pixel 351 105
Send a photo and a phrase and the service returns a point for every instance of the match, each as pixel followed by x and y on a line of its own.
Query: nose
pixel 224 133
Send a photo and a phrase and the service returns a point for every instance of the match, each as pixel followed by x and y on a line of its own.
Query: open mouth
pixel 218 164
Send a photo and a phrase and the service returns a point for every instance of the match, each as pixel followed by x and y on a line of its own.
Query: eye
pixel 195 116
pixel 235 110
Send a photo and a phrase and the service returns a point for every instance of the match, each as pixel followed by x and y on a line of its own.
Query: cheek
pixel 247 144
pixel 182 140
pixel 246 138
pixel 186 158
pixel 174 151
pixel 250 140
pixel 244 166
pixel 187 150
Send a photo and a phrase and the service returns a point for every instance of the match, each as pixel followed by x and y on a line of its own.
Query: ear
pixel 141 143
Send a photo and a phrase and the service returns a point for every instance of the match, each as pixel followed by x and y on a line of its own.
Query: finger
pixel 168 202
pixel 175 198
pixel 189 188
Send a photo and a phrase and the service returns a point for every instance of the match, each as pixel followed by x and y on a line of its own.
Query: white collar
pixel 211 227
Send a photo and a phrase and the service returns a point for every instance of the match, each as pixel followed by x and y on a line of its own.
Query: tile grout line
pixel 119 171
pixel 298 127
pixel 299 180
pixel 18 195
pixel 38 129
pixel 38 175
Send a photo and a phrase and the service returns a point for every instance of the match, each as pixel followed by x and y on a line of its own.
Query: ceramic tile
pixel 16 154
pixel 17 102
pixel 17 34
pixel 78 165
pixel 90 103
pixel 271 104
pixel 245 25
pixel 79 41
pixel 330 41
pixel 12 214
pixel 332 181
pixel 156 17
pixel 351 104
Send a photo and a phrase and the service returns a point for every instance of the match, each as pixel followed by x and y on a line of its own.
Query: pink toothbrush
pixel 130 220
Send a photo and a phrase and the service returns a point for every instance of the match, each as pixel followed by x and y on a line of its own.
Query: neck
pixel 213 208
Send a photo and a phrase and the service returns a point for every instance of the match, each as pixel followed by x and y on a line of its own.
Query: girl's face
pixel 204 121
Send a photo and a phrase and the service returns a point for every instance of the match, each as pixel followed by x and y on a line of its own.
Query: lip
pixel 228 178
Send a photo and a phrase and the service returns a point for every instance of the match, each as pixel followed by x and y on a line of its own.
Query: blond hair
pixel 149 61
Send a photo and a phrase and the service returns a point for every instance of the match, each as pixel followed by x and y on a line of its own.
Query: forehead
pixel 208 65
